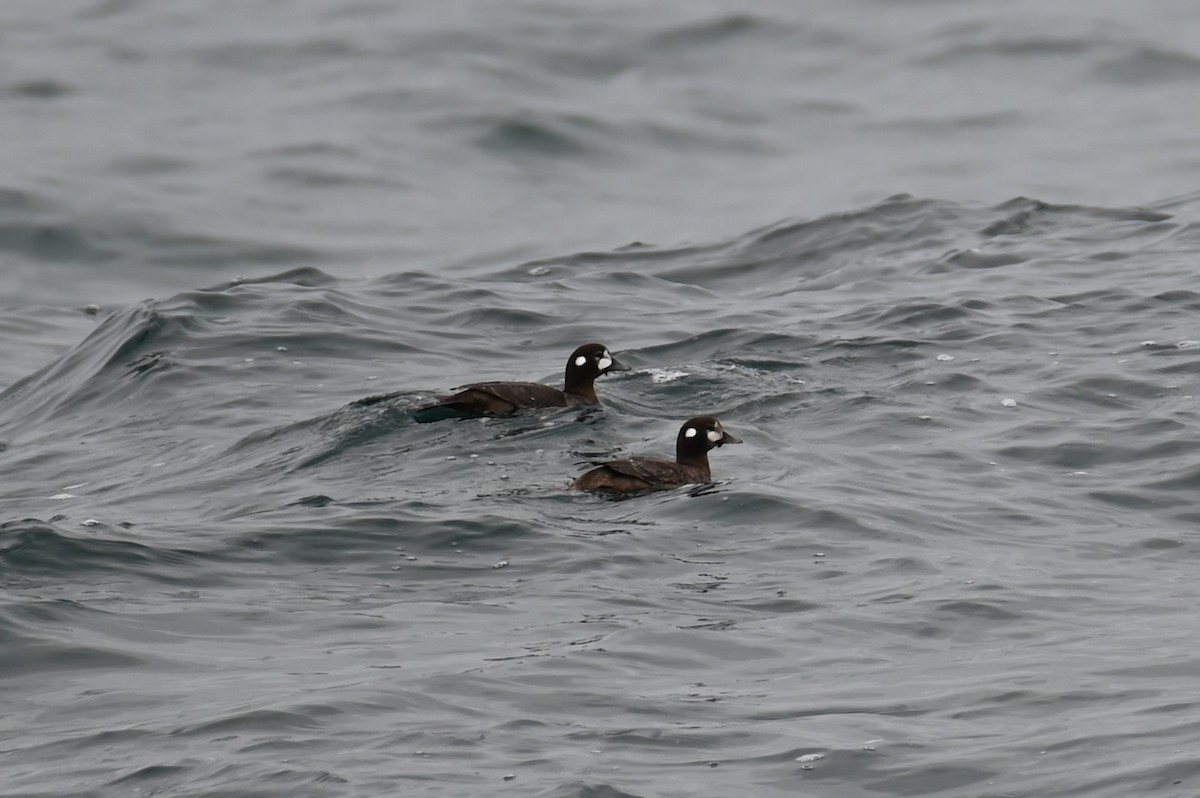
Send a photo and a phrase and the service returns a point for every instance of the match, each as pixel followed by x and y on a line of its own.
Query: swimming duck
pixel 696 437
pixel 505 398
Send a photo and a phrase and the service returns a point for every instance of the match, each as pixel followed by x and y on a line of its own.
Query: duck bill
pixel 616 365
pixel 727 438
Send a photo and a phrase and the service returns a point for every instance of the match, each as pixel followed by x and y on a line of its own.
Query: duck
pixel 494 399
pixel 696 437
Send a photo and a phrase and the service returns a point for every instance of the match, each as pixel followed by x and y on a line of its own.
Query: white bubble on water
pixel 660 376
pixel 1009 402
pixel 945 358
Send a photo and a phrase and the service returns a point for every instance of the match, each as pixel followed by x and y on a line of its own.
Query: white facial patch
pixel 715 435
pixel 604 362
pixel 579 361
pixel 690 432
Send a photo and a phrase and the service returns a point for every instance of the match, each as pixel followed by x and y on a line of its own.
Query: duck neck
pixel 583 388
pixel 692 459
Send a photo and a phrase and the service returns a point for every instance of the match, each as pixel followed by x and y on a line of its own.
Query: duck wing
pixel 520 394
pixel 654 471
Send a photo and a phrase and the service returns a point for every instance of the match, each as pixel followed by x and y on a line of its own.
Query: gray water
pixel 933 261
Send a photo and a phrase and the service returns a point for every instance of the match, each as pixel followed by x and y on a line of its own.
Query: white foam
pixel 660 376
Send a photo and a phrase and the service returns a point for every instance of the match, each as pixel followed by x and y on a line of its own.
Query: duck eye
pixel 690 432
pixel 579 361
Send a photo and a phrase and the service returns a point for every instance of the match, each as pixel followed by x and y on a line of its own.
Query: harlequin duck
pixel 637 474
pixel 505 398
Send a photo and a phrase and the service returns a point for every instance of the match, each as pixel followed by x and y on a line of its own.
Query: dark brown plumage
pixel 505 398
pixel 636 474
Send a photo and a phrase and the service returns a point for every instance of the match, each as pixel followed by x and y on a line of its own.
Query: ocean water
pixel 934 262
